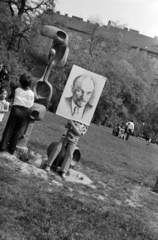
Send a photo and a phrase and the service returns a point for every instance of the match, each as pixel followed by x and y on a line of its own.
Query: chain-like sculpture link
pixel 48 48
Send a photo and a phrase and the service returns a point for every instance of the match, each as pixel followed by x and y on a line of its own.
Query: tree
pixel 151 119
pixel 16 20
pixel 129 72
pixel 19 19
pixel 108 55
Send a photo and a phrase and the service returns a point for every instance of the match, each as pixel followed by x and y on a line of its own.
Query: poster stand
pixel 65 139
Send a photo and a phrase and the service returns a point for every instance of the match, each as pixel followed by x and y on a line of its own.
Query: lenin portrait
pixel 81 94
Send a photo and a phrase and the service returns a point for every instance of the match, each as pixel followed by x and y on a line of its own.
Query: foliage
pixel 128 72
pixel 14 67
pixel 16 20
pixel 151 121
pixel 19 19
pixel 58 80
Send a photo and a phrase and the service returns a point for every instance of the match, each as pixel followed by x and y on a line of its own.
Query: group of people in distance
pixel 123 131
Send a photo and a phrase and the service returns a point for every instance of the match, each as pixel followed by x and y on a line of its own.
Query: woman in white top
pixel 23 101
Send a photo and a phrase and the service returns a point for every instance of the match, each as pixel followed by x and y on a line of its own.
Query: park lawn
pixel 119 205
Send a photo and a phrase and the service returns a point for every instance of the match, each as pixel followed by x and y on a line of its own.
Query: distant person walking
pixel 76 130
pixel 4 105
pixel 129 128
pixel 23 101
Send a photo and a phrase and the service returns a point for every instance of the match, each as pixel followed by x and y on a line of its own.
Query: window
pixel 156 72
pixel 79 37
pixel 86 50
pixel 70 34
pixel 74 45
pixel 155 46
pixel 102 44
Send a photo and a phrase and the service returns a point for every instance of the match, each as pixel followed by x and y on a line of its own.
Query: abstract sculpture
pixel 48 49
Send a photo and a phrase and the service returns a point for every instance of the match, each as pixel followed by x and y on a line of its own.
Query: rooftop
pixel 131 36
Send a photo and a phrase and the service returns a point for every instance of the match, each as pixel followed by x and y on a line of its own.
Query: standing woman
pixel 23 101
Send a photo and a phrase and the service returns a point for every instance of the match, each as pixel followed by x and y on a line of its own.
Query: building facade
pixel 81 33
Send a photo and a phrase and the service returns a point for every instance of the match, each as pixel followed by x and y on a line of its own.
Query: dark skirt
pixel 18 118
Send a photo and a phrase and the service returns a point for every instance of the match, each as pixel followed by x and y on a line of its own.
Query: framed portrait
pixel 81 95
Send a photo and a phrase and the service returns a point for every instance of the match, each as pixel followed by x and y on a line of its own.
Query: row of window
pixel 77 36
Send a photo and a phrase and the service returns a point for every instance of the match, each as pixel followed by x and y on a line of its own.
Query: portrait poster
pixel 81 95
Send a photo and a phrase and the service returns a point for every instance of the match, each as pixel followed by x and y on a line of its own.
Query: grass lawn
pixel 119 205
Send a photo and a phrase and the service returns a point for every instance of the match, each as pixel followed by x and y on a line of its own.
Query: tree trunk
pixel 155 189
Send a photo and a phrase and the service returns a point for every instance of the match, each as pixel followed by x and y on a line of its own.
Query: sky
pixel 141 15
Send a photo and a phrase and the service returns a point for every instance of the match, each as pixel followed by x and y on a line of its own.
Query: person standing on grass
pixel 23 101
pixel 4 105
pixel 129 129
pixel 76 129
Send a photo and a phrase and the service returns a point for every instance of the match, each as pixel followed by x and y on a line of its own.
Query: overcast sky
pixel 141 15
